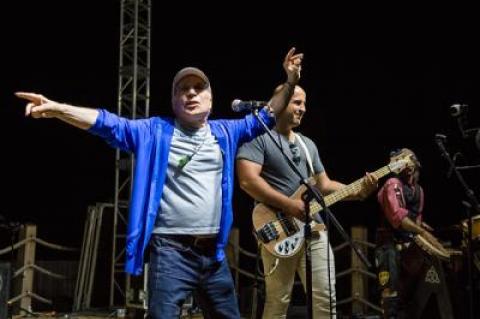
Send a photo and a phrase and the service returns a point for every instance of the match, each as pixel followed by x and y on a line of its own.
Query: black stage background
pixel 374 83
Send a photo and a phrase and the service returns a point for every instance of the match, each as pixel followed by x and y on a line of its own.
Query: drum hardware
pixel 472 205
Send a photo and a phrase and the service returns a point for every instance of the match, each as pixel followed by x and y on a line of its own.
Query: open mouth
pixel 191 104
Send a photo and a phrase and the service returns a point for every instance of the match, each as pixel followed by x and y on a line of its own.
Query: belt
pixel 200 242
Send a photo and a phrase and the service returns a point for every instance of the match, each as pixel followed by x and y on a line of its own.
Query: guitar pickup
pixel 267 233
pixel 289 226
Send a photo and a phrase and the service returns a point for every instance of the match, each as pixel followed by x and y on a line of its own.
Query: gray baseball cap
pixel 186 72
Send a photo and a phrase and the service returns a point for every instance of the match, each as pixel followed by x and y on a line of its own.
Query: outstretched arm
pixel 327 185
pixel 292 64
pixel 40 107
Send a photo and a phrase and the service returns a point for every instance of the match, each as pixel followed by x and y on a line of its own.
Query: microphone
pixel 240 106
pixel 458 109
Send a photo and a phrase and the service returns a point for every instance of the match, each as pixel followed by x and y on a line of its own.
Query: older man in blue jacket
pixel 181 203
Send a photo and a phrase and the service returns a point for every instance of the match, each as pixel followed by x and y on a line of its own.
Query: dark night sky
pixel 373 84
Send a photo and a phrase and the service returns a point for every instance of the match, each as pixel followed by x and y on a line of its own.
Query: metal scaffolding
pixel 133 102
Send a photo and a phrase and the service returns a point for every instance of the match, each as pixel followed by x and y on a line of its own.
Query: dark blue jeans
pixel 387 260
pixel 177 270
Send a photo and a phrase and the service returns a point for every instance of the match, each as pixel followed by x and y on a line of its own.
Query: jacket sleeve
pixel 390 198
pixel 120 132
pixel 247 128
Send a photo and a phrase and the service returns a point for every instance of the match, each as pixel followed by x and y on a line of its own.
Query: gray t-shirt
pixel 192 205
pixel 275 169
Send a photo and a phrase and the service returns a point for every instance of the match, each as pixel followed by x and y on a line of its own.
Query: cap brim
pixel 190 71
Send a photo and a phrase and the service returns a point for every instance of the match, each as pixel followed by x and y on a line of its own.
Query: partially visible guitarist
pixel 401 199
pixel 265 175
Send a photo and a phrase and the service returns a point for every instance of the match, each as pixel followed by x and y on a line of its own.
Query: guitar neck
pixel 346 191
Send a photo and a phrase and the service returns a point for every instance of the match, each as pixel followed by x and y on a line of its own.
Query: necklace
pixel 294 150
pixel 187 158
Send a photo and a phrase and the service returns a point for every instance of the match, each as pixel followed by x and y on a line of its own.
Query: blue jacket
pixel 150 139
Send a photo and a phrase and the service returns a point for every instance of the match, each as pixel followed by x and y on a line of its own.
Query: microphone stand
pixel 312 193
pixel 473 202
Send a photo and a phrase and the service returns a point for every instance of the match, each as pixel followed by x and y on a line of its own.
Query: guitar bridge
pixel 267 233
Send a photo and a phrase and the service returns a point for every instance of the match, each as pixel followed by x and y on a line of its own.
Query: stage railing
pixel 26 246
pixel 358 273
pixel 23 276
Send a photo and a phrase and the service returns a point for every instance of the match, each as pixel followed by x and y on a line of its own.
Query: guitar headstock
pixel 402 160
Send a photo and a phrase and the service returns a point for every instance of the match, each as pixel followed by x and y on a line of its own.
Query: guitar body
pixel 280 234
pixel 283 236
pixel 281 244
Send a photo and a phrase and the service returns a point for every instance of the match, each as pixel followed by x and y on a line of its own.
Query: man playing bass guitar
pixel 265 175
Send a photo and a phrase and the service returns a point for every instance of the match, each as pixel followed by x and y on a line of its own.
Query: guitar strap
pixel 310 168
pixel 307 153
pixel 316 217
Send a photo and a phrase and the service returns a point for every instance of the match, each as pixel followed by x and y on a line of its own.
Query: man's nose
pixel 191 91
